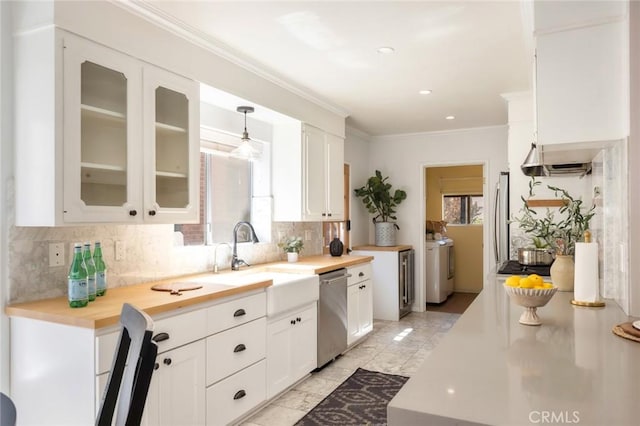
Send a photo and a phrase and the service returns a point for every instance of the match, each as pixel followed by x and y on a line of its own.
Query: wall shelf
pixel 547 203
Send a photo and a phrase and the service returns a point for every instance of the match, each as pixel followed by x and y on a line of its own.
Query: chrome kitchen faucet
pixel 235 262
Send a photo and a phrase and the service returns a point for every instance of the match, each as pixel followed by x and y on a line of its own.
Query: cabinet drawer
pixel 359 273
pixel 180 329
pixel 236 312
pixel 236 395
pixel 235 349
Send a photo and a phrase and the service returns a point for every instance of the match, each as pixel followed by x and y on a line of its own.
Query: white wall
pixel 404 157
pixel 356 154
pixel 6 169
pixel 634 159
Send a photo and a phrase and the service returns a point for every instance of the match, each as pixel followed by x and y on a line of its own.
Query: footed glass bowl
pixel 531 299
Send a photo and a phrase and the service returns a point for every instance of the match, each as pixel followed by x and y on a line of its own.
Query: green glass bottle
pixel 91 271
pixel 77 280
pixel 101 270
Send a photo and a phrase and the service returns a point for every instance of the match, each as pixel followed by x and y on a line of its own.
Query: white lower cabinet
pixel 291 348
pixel 177 392
pixel 234 396
pixel 359 303
pixel 207 352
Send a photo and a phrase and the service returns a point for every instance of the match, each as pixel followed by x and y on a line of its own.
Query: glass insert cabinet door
pixel 101 162
pixel 171 147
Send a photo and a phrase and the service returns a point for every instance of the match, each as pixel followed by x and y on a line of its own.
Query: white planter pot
pixel 385 234
pixel 292 256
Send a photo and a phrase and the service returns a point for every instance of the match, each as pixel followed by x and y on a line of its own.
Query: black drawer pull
pixel 240 394
pixel 298 319
pixel 132 212
pixel 239 313
pixel 361 274
pixel 293 322
pixel 160 337
pixel 167 361
pixel 156 366
pixel 239 348
pixel 152 212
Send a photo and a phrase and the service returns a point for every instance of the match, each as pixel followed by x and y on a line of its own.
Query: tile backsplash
pixel 149 254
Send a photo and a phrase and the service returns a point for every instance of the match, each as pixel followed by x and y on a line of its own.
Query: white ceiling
pixel 466 52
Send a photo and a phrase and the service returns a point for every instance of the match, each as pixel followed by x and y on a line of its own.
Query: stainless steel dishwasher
pixel 332 315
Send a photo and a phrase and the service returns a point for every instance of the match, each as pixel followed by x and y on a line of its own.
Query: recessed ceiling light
pixel 450 117
pixel 385 50
pixel 425 92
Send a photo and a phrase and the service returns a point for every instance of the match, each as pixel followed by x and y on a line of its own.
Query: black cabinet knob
pixel 329 214
pixel 240 394
pixel 156 366
pixel 239 348
pixel 239 313
pixel 324 214
pixel 298 319
pixel 361 274
pixel 293 322
pixel 152 212
pixel 167 361
pixel 132 212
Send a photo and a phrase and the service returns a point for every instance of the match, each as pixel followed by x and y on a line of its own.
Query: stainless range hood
pixel 534 165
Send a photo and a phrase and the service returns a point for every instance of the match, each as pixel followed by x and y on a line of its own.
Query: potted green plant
pixel 292 246
pixel 381 201
pixel 559 234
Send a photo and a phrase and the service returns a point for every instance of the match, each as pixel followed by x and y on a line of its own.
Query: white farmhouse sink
pixel 287 292
pixel 290 290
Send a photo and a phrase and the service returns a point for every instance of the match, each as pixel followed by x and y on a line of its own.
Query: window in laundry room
pixel 462 209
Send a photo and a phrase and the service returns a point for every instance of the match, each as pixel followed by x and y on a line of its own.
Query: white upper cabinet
pixel 127 151
pixel 582 75
pixel 171 147
pixel 308 177
pixel 102 155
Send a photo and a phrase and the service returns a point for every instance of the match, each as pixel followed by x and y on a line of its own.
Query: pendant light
pixel 245 150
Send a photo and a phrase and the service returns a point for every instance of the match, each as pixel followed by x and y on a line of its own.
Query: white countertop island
pixel 490 369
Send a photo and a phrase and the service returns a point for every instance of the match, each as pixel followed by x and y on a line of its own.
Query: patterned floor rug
pixel 362 399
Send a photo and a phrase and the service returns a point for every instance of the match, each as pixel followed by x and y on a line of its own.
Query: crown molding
pixel 150 13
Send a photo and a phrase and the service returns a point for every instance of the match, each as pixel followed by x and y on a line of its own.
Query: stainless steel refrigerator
pixel 501 245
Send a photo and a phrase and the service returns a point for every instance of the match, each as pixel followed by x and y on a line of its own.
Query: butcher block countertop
pixel 105 311
pixel 381 248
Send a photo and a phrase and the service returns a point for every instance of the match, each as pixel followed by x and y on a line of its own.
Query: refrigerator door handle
pixel 495 224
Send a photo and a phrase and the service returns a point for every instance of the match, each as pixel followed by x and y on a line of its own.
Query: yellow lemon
pixel 526 282
pixel 537 279
pixel 538 287
pixel 547 285
pixel 513 281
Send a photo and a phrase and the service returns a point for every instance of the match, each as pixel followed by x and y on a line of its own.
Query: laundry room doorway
pixel 454 224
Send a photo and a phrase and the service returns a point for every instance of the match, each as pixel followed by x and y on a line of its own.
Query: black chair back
pixel 131 370
pixel 7 411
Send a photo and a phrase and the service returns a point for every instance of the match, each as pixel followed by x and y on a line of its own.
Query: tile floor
pixel 393 347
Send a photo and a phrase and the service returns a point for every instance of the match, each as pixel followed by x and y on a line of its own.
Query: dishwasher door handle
pixel 341 277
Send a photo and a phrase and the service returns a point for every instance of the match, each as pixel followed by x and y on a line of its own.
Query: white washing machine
pixel 439 269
